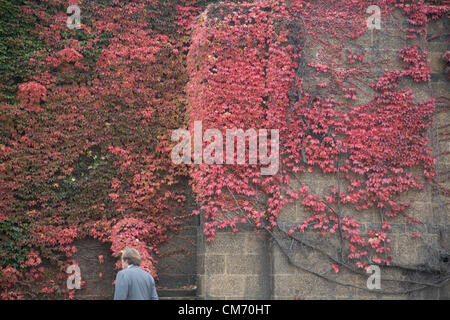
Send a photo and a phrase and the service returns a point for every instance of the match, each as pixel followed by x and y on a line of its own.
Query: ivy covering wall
pixel 87 115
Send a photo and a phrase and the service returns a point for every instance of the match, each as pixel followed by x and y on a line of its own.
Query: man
pixel 133 283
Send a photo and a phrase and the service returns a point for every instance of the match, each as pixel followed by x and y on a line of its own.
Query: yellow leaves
pixel 31 213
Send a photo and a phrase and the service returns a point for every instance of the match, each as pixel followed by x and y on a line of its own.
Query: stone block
pixel 244 264
pixel 310 285
pixel 278 297
pixel 227 242
pixel 366 39
pixel 393 296
pixel 280 263
pixel 201 286
pixel 223 286
pixel 214 264
pixel 436 63
pixel 422 211
pixel 442 118
pixel 284 286
pixel 420 90
pixel 389 38
pixel 364 216
pixel 316 261
pixel 436 26
pixel 345 292
pixel 415 227
pixel 398 228
pixel 406 251
pixel 444 292
pixel 360 280
pixel 430 294
pixel 414 195
pixel 258 287
pixel 437 46
pixel 256 243
pixel 290 212
pixel 363 98
pixel 386 59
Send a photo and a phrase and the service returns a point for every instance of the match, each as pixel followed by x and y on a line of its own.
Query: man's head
pixel 130 257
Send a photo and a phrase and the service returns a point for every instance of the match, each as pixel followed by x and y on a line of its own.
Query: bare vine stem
pixel 422 285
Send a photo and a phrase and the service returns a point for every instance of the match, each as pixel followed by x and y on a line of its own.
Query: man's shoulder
pixel 143 272
pixel 136 270
pixel 122 275
pixel 122 272
pixel 139 269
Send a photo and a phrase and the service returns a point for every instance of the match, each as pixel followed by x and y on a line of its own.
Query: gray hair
pixel 132 256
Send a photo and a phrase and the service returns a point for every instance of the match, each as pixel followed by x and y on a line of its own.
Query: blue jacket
pixel 133 283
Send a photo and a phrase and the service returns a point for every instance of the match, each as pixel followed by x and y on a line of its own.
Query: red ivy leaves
pixel 240 70
pixel 114 83
pixel 120 86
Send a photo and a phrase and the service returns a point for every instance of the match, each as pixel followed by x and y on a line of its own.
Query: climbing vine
pixel 251 65
pixel 85 150
pixel 86 127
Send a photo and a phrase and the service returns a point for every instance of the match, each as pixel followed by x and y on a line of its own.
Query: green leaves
pixel 14 248
pixel 17 45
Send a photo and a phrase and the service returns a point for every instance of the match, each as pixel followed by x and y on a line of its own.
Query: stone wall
pixel 246 265
pixel 234 266
pixel 97 275
pixel 249 265
pixel 177 263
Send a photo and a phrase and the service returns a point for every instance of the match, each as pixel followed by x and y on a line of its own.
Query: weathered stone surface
pixel 281 264
pixel 436 64
pixel 98 276
pixel 227 243
pixel 230 285
pixel 214 264
pixel 245 253
pixel 257 287
pixel 244 264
